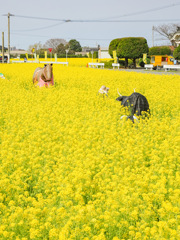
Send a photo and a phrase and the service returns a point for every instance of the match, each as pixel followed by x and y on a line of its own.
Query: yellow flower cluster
pixel 72 169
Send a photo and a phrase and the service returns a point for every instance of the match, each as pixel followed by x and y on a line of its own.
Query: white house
pixel 103 52
pixel 175 40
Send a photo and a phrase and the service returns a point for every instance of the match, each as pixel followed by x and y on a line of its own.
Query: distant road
pixel 159 72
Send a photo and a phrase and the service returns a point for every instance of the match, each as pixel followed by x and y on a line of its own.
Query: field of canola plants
pixel 71 169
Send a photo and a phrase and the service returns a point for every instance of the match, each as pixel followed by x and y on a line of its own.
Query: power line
pixel 125 21
pixel 99 21
pixel 91 21
pixel 145 11
pixel 62 21
pixel 37 29
pixel 94 21
pixel 41 18
pixel 105 19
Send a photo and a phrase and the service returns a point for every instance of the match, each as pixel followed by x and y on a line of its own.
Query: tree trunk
pixel 134 62
pixel 126 62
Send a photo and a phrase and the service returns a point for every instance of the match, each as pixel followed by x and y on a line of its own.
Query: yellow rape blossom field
pixel 71 169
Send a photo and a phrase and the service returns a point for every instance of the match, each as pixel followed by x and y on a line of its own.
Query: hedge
pixel 160 50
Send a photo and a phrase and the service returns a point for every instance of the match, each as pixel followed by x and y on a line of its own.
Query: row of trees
pixel 128 48
pixel 160 50
pixel 58 46
pixel 165 50
pixel 134 48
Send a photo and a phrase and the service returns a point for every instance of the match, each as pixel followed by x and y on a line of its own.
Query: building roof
pixel 18 52
pixel 89 49
pixel 176 36
pixel 104 48
pixel 172 48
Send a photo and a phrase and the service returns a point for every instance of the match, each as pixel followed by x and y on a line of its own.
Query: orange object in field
pixel 161 60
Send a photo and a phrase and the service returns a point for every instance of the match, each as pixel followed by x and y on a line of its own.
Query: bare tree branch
pixel 167 30
pixel 53 43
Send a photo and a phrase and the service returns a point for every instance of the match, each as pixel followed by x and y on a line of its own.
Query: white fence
pixel 96 65
pixel 115 65
pixel 63 63
pixel 166 67
pixel 149 66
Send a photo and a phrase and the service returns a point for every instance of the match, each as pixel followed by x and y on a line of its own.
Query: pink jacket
pixel 42 83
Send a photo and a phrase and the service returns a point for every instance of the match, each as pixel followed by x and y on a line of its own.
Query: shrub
pixel 160 50
pixel 141 62
pixel 113 46
pixel 121 62
pixel 132 48
pixel 176 53
pixel 108 64
pixel 24 55
pixel 95 54
pixel 148 60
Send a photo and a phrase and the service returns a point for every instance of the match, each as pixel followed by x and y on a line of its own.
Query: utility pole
pixel 2 47
pixel 9 37
pixel 153 36
pixel 9 14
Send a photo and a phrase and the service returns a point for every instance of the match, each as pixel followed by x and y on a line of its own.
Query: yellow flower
pixel 53 233
pixel 138 235
pixel 34 233
pixel 71 169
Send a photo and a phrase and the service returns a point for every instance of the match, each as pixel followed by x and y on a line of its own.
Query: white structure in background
pixel 175 40
pixel 103 52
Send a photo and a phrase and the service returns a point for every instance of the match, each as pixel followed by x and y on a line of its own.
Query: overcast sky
pixel 137 19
